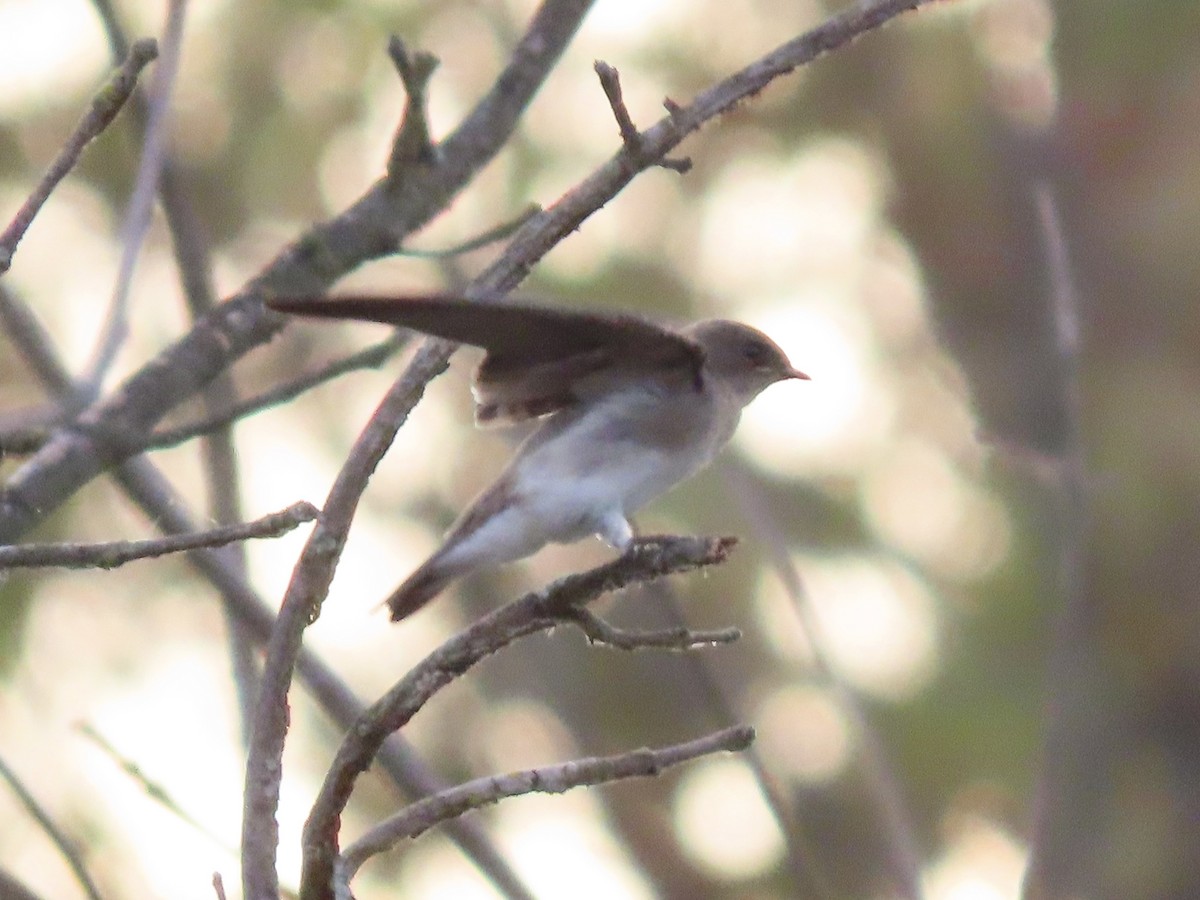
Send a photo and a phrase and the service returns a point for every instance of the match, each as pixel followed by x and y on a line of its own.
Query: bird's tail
pixel 429 580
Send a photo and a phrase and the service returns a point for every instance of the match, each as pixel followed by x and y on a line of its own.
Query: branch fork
pixel 635 145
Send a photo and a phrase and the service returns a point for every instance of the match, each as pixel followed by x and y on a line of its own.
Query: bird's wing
pixel 539 359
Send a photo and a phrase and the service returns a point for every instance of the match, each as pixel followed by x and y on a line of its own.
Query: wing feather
pixel 539 359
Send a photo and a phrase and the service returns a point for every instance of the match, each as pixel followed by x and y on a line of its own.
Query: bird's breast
pixel 621 451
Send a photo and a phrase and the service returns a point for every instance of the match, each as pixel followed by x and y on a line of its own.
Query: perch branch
pixel 538 611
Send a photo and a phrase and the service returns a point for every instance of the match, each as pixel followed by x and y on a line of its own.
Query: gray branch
pixel 110 554
pixel 419 817
pixel 105 106
pixel 533 613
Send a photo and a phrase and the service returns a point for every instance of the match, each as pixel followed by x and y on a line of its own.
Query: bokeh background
pixel 876 214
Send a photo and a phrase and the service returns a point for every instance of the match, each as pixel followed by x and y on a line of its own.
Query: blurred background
pixel 925 703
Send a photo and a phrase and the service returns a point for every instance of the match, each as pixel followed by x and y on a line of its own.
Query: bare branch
pixel 499 233
pixel 137 220
pixel 532 613
pixel 610 81
pixel 57 837
pixel 600 632
pixel 369 358
pixel 412 144
pixel 1074 678
pixel 143 483
pixel 376 225
pixel 152 788
pixel 105 106
pixel 419 817
pixel 149 490
pixel 110 554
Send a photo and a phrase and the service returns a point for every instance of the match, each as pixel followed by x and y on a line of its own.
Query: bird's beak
pixel 795 373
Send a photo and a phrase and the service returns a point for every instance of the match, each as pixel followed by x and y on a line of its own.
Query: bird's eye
pixel 755 353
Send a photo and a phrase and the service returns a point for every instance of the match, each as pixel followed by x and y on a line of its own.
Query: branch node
pixel 610 81
pixel 412 144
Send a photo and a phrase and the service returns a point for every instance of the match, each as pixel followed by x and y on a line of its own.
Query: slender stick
pixel 56 835
pixel 1075 681
pixel 895 818
pixel 369 358
pixel 105 106
pixel 110 554
pixel 137 221
pixel 419 817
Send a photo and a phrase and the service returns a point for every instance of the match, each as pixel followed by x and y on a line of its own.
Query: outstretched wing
pixel 539 359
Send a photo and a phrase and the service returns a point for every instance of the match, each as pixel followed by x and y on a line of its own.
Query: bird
pixel 623 408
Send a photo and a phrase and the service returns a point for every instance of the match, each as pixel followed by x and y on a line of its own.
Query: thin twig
pixel 137 221
pixel 369 358
pixel 152 788
pixel 56 835
pixel 710 680
pixel 412 143
pixel 896 819
pixel 110 554
pixel 1074 677
pixel 105 106
pixel 499 233
pixel 610 82
pixel 600 632
pixel 419 817
pixel 533 613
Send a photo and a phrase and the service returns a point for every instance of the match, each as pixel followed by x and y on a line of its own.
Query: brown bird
pixel 629 408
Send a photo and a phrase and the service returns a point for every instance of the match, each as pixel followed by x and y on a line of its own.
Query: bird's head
pixel 741 359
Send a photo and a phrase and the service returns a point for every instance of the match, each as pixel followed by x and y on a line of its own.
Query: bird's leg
pixel 621 534
pixel 616 531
